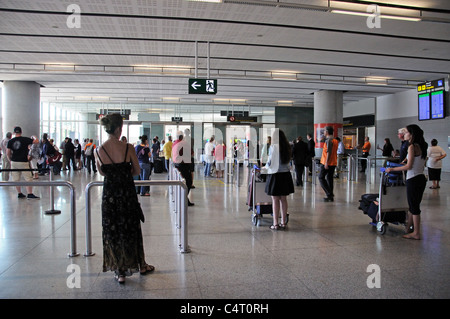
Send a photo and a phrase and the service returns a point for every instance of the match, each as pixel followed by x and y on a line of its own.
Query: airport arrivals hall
pixel 230 153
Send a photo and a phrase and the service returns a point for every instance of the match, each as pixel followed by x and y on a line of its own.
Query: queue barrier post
pixel 184 248
pixel 73 224
pixel 52 210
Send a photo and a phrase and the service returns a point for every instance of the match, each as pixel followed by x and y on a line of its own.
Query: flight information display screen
pixel 424 106
pixel 437 105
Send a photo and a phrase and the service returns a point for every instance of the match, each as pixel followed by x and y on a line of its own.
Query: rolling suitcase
pixel 158 165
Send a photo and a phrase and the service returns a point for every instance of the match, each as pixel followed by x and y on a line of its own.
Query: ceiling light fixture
pixel 170 69
pixel 383 16
pixel 213 1
pixel 283 75
pixel 59 67
pixel 377 80
pixel 285 103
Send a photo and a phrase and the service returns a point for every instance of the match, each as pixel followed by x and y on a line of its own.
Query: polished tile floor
pixel 326 252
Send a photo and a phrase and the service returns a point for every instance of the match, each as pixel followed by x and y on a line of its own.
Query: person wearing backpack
pixel 89 153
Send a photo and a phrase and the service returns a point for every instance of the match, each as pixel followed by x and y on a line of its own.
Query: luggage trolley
pixel 392 201
pixel 258 201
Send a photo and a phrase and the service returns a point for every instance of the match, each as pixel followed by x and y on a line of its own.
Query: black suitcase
pixel 56 166
pixel 365 201
pixel 263 209
pixel 387 217
pixel 158 165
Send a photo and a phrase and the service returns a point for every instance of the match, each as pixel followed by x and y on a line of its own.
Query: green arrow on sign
pixel 202 86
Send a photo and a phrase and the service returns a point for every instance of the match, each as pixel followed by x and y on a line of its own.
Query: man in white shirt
pixel 6 164
pixel 209 159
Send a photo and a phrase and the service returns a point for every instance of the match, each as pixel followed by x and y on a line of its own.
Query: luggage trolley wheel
pixel 255 219
pixel 382 227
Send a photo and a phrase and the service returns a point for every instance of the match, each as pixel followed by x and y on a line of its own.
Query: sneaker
pixel 20 195
pixel 32 196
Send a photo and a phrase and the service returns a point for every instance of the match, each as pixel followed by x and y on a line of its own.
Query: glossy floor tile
pixel 324 253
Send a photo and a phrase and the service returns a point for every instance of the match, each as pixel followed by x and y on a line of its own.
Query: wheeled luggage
pixel 158 165
pixel 366 201
pixel 56 167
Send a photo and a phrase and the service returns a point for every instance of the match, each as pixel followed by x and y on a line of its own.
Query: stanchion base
pixel 89 254
pixel 73 255
pixel 53 212
pixel 186 250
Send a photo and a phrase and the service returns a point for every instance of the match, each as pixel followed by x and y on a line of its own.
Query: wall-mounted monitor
pixel 424 106
pixel 437 105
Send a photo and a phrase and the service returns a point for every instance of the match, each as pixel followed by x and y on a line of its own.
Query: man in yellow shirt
pixel 167 150
pixel 328 163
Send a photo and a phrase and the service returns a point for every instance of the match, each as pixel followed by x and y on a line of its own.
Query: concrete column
pixel 328 111
pixel 2 133
pixel 20 107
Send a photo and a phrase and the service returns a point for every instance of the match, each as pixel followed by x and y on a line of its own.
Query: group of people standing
pixel 30 157
pixel 215 154
pixel 415 155
pixel 79 155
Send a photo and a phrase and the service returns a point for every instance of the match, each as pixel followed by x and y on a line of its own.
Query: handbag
pixel 54 158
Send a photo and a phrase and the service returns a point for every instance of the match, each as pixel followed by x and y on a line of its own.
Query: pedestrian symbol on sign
pixel 210 86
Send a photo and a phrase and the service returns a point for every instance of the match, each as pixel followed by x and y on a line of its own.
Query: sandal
pixel 146 269
pixel 120 278
pixel 274 227
pixel 282 226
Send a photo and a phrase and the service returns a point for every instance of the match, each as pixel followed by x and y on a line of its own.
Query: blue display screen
pixel 424 106
pixel 437 105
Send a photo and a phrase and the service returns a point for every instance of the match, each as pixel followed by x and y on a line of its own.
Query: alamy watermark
pixel 74 20
pixel 74 279
pixel 374 279
pixel 374 19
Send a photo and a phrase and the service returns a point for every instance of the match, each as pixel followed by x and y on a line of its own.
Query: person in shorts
pixel 18 149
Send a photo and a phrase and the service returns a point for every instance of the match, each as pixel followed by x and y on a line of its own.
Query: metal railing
pixel 184 248
pixel 51 184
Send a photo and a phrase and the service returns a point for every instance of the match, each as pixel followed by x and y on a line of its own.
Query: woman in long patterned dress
pixel 123 248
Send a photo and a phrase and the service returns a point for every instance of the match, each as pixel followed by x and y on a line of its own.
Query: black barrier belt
pixel 24 170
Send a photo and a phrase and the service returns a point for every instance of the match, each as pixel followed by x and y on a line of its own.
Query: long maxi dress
pixel 123 248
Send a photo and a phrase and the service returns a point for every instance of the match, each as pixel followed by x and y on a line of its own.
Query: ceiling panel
pixel 145 49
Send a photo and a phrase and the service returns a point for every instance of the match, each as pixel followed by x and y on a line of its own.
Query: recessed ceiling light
pixel 214 1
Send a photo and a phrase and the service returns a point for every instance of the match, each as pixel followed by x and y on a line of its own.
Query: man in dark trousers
pixel 299 155
pixel 311 152
pixel 181 157
pixel 69 150
pixel 328 163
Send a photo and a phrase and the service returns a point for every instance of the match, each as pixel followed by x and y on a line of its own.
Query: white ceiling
pixel 249 42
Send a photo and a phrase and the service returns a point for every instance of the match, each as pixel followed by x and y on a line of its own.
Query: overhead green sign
pixel 202 86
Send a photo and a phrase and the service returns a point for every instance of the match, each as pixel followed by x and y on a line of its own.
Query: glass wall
pixel 77 120
pixel 59 122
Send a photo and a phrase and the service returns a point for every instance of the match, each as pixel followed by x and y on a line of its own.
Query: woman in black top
pixel 387 149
